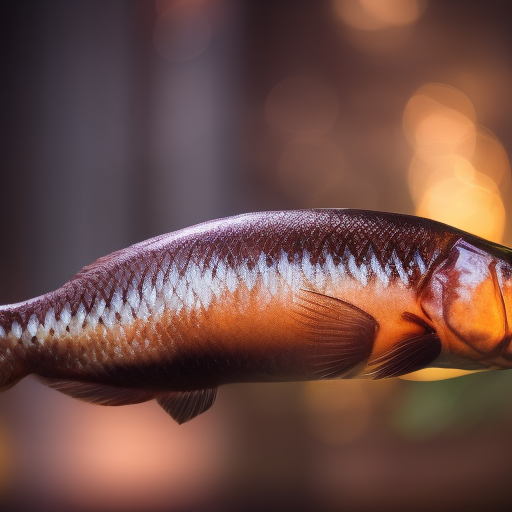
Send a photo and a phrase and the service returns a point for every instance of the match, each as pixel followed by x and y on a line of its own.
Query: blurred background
pixel 125 119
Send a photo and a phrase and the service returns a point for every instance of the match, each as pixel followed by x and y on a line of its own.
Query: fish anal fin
pixel 186 405
pixel 99 393
pixel 341 335
pixel 407 356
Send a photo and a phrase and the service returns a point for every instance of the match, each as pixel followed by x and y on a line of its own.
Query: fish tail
pixel 12 367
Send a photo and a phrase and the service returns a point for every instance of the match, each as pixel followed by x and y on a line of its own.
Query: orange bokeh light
pixel 454 174
pixel 438 107
pixel 378 14
pixel 473 205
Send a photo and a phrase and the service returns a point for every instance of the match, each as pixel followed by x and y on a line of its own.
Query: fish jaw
pixel 468 298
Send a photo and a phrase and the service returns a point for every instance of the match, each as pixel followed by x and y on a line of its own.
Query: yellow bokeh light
pixel 442 131
pixel 457 165
pixel 490 157
pixel 425 172
pixel 446 96
pixel 378 14
pixel 471 205
pixel 394 12
pixel 437 104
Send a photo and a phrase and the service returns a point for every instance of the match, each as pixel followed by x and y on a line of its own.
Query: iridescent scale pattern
pixel 191 270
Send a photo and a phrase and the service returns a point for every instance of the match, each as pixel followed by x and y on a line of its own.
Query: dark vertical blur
pixel 124 119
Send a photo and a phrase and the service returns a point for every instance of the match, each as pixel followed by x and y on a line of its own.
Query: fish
pixel 266 297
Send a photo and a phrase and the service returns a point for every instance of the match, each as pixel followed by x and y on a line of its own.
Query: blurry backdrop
pixel 125 119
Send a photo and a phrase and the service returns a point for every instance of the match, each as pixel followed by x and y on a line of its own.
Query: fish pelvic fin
pixel 181 406
pixel 406 356
pixel 341 335
pixel 100 394
pixel 184 406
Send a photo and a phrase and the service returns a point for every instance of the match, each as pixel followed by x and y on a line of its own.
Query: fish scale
pixel 261 297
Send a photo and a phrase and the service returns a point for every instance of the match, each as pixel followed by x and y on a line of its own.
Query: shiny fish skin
pixel 268 296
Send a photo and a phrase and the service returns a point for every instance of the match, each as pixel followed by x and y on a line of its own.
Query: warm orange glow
pixel 394 12
pixel 490 157
pixel 473 205
pixel 301 106
pixel 457 165
pixel 378 14
pixel 439 106
pixel 338 411
pixel 429 374
pixel 426 172
pixel 133 457
pixel 442 131
pixel 445 96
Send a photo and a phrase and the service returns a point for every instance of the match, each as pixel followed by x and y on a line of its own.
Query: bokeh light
pixel 472 203
pixel 439 118
pixel 378 14
pixel 490 158
pixel 442 131
pixel 131 458
pixel 301 105
pixel 425 172
pixel 457 166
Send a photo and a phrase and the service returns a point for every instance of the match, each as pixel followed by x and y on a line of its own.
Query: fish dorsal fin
pixel 341 334
pixel 185 405
pixel 102 262
pixel 407 356
pixel 99 393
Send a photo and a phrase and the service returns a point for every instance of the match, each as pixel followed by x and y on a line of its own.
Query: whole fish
pixel 272 296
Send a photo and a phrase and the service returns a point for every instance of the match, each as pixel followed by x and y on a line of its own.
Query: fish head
pixel 468 298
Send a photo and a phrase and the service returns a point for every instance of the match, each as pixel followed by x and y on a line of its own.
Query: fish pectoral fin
pixel 185 405
pixel 100 394
pixel 341 335
pixel 407 356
